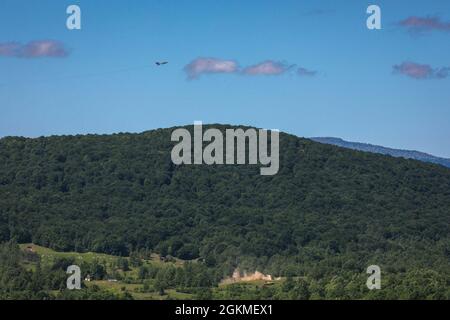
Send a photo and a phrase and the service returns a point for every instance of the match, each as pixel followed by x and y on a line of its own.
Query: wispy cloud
pixel 424 24
pixel 201 66
pixel 8 49
pixel 268 67
pixel 305 72
pixel 34 49
pixel 421 71
pixel 210 65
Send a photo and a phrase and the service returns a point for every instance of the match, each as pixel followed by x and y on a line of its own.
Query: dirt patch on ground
pixel 239 276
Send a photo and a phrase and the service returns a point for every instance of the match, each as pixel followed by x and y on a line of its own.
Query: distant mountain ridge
pixel 408 154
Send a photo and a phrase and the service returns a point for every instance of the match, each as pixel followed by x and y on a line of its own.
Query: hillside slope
pixel 328 211
pixel 408 154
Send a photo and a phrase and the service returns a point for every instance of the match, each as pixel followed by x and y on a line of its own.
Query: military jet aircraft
pixel 161 63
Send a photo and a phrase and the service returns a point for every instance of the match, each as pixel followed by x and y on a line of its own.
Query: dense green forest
pixel 327 215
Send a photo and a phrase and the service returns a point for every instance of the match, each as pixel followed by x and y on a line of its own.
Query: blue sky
pixel 107 82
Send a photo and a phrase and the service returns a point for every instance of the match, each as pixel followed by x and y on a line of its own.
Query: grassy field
pixel 49 256
pixel 128 281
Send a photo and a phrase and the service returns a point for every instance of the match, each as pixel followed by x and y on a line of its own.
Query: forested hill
pixel 328 211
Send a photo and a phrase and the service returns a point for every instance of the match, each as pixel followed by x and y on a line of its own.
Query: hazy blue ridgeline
pixel 408 154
